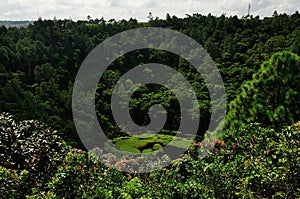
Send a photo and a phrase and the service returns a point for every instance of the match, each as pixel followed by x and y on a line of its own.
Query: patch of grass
pixel 145 143
pixel 147 151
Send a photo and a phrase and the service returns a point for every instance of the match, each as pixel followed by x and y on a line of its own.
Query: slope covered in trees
pixel 38 64
pixel 257 156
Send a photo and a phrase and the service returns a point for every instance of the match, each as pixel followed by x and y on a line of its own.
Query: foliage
pixel 269 158
pixel 271 97
pixel 253 162
pixel 81 175
pixel 13 183
pixel 38 64
pixel 31 148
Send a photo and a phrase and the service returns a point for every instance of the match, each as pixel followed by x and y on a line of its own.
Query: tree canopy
pixel 271 97
pixel 38 65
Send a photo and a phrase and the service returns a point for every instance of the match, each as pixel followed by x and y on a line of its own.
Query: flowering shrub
pixel 12 182
pixel 262 162
pixel 29 146
pixel 81 175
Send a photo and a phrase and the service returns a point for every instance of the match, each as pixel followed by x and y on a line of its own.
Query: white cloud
pixel 117 9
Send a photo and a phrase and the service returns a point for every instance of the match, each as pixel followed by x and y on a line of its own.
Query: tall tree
pixel 272 97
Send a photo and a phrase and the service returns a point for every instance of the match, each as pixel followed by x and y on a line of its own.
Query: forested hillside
pixel 257 156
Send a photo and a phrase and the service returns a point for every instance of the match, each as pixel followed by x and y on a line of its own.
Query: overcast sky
pixel 139 9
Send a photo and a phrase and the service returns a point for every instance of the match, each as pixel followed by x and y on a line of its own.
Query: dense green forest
pixel 257 156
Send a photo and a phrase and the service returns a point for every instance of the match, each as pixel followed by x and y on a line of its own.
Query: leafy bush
pixel 262 162
pixel 32 147
pixel 12 182
pixel 81 175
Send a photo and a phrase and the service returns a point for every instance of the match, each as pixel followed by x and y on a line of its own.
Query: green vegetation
pixel 155 142
pixel 258 155
pixel 252 162
pixel 38 65
pixel 272 97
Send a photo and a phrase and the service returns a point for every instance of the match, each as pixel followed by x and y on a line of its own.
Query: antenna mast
pixel 249 7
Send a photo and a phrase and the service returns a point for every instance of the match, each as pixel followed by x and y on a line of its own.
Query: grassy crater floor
pixel 146 143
